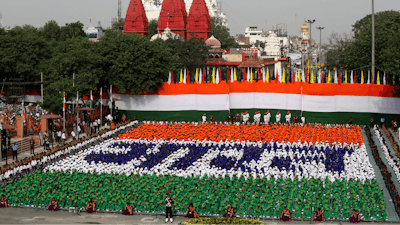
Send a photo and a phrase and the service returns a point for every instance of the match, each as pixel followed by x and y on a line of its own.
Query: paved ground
pixel 40 216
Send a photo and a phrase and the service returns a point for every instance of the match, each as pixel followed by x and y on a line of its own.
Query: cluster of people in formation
pixel 219 131
pixel 245 118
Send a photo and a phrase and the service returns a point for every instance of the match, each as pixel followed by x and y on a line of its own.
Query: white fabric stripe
pixel 311 103
pixel 173 102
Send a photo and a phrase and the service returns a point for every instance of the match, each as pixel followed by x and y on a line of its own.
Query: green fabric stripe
pixel 335 117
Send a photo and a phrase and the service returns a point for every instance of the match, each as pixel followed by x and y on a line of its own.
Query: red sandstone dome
pixel 213 43
pixel 136 20
pixel 174 14
pixel 199 21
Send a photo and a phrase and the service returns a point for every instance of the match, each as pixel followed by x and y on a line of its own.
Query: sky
pixel 334 15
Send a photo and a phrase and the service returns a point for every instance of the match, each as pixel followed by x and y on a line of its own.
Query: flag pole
pixel 64 111
pixel 101 107
pixel 111 99
pixel 77 114
pixel 23 118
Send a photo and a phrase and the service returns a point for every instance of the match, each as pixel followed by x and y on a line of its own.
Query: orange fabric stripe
pixel 330 89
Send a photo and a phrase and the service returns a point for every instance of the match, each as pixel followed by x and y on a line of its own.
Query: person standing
pixel 246 117
pixel 204 118
pixel 63 137
pixel 267 117
pixel 229 118
pixel 3 151
pixel 59 134
pixel 73 135
pixel 168 208
pixel 15 151
pixel 32 143
pixel 288 117
pixel 278 117
pixel 371 122
pixel 382 121
pixel 95 126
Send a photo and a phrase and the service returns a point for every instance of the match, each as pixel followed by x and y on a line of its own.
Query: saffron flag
pixel 378 80
pixel 329 77
pixel 298 76
pixel 267 75
pixel 234 74
pixel 213 75
pixel 362 77
pixel 251 75
pixel 345 77
pixel 312 77
pixel 284 76
pixel 181 77
pixel 197 76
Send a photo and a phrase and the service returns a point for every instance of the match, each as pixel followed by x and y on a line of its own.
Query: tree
pixel 76 56
pixel 387 31
pixel 22 54
pixel 51 31
pixel 72 30
pixel 153 28
pixel 134 62
pixel 336 55
pixel 188 54
pixel 222 33
pixel 355 51
pixel 117 25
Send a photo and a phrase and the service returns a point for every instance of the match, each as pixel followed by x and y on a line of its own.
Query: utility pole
pixel 373 40
pixel 320 42
pixel 310 22
pixel 41 85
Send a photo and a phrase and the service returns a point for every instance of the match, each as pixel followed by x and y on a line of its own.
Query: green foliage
pixel 153 26
pixel 126 61
pixel 222 34
pixel 119 24
pixel 188 54
pixel 355 52
pixel 133 62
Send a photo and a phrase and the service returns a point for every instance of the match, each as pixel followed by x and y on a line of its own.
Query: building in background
pixel 95 33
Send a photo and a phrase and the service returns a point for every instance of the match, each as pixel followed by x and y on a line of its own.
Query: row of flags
pixel 216 75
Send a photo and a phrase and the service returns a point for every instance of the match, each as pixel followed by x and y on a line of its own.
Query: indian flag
pixel 257 169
